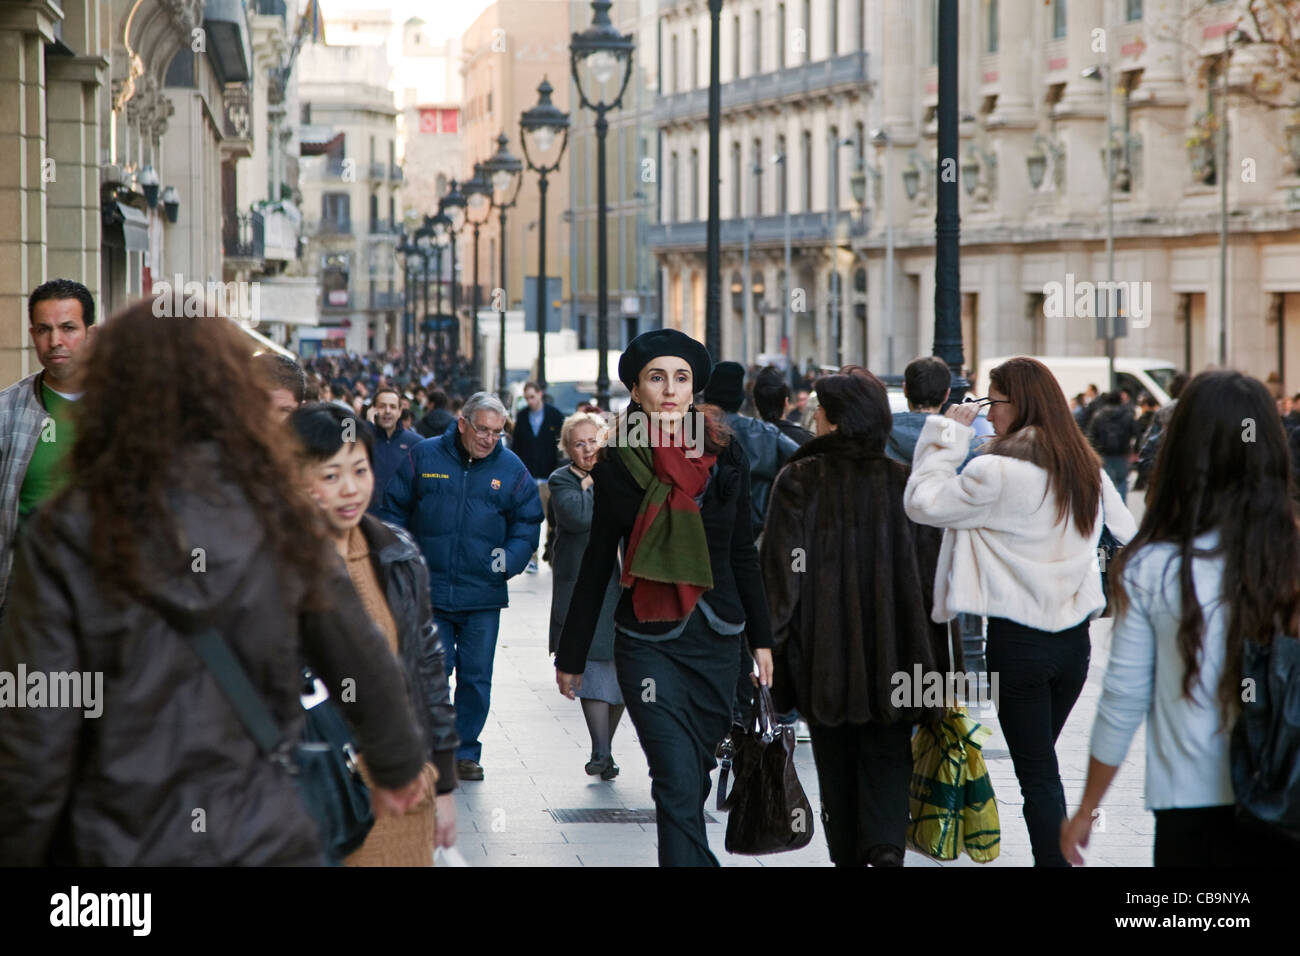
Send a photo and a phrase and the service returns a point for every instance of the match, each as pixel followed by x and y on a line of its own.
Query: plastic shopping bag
pixel 951 801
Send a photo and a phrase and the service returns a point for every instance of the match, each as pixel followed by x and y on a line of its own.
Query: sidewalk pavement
pixel 536 742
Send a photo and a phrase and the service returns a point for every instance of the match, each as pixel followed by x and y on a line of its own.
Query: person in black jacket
pixel 173 526
pixel 386 566
pixel 690 580
pixel 438 418
pixel 536 440
pixel 772 401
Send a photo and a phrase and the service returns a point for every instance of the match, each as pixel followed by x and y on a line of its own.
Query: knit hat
pixel 726 386
pixel 657 342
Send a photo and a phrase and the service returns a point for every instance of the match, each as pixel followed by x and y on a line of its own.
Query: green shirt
pixel 47 472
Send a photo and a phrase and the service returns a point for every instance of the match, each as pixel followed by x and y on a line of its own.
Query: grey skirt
pixel 600 682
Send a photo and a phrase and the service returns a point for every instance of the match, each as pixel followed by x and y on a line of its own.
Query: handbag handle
pixel 762 724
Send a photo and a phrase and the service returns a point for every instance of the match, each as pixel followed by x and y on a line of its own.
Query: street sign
pixel 1119 328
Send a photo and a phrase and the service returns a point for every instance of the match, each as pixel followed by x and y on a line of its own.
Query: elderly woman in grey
pixel 571 498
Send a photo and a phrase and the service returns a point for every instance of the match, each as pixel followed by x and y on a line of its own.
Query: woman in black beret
pixel 672 488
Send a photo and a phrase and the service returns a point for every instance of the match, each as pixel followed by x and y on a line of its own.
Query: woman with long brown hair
pixel 182 526
pixel 1021 526
pixel 673 487
pixel 1215 565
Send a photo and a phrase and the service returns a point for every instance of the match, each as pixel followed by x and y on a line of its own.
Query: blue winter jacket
pixel 477 522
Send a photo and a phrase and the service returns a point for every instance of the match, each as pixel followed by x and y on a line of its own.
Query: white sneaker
pixel 801 732
pixel 532 568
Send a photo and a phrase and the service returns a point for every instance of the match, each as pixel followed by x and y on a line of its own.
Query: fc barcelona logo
pixel 496 483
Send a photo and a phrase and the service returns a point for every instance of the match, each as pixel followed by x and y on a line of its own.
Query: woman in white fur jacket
pixel 1022 522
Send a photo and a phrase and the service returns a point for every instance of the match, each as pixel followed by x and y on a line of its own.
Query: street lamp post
pixel 441 227
pixel 835 248
pixel 603 50
pixel 504 171
pixel 542 124
pixel 947 221
pixel 424 245
pixel 713 241
pixel 780 159
pixel 1230 39
pixel 478 201
pixel 452 206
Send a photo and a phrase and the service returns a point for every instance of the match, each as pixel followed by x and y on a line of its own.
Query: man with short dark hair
pixel 285 383
pixel 438 419
pixel 536 440
pixel 37 429
pixel 392 443
pixel 926 384
pixel 772 402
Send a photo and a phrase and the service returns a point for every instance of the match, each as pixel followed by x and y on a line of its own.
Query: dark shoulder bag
pixel 770 812
pixel 1265 747
pixel 323 764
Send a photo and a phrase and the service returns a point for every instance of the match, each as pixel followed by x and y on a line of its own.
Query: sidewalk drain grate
pixel 606 815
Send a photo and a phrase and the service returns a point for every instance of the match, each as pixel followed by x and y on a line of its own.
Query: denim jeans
pixel 1040 675
pixel 469 644
pixel 1116 468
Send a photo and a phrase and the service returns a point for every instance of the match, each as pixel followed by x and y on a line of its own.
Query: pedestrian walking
pixel 285 383
pixel 473 508
pixel 437 419
pixel 391 443
pixel 1215 564
pixel 390 577
pixel 37 427
pixel 926 386
pixel 772 403
pixel 172 527
pixel 850 612
pixel 535 439
pixel 673 487
pixel 1112 432
pixel 1035 498
pixel 581 438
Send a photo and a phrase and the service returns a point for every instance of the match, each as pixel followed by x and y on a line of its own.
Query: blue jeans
pixel 1116 467
pixel 469 644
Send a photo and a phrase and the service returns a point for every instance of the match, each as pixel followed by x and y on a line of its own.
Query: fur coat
pixel 849 579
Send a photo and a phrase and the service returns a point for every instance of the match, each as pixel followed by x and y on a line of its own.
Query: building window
pixel 674 183
pixel 735 48
pixel 934 32
pixel 1132 10
pixel 1058 19
pixel 735 179
pixel 990 26
pixel 672 66
pixel 336 208
pixel 374 212
pixel 833 29
pixel 695 59
pixel 833 170
pixel 861 30
pixel 489 102
pixel 758 41
pixel 807 30
pixel 805 169
pixel 782 177
pixel 758 177
pixel 780 36
pixel 695 184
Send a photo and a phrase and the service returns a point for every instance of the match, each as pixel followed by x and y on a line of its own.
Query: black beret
pixel 652 344
pixel 726 386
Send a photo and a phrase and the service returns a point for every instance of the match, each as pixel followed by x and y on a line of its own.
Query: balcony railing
pixel 395 173
pixel 271 8
pixel 334 227
pixel 378 171
pixel 805 227
pixel 385 227
pixel 386 300
pixel 244 236
pixel 792 83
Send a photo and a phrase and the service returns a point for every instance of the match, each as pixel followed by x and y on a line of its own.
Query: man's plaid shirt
pixel 22 415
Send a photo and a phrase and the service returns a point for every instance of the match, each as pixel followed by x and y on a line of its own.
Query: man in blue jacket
pixel 474 509
pixel 392 442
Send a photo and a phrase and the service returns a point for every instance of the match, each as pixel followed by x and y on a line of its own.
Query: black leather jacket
pixel 767 450
pixel 405 580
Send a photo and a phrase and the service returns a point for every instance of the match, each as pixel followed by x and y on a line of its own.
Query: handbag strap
pixel 762 724
pixel 233 680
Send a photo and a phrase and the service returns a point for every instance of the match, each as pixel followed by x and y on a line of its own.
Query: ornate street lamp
pixel 424 246
pixel 540 126
pixel 440 229
pixel 504 171
pixel 452 206
pixel 478 210
pixel 602 52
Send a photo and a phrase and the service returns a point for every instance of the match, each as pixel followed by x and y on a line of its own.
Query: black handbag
pixel 323 763
pixel 769 811
pixel 1265 748
pixel 1107 547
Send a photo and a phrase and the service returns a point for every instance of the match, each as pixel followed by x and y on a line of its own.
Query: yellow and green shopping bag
pixel 951 801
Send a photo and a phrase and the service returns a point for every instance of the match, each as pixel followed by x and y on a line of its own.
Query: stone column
pixel 24 31
pixel 73 100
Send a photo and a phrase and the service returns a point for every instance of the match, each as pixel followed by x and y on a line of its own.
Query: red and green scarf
pixel 667 560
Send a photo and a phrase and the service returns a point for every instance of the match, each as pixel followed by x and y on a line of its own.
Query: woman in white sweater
pixel 1022 522
pixel 1216 563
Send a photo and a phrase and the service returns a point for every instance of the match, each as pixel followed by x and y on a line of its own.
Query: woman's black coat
pixel 405 579
pixel 737 594
pixel 850 582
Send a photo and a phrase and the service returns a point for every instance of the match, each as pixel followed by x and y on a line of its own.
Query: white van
pixel 571 380
pixel 1076 373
